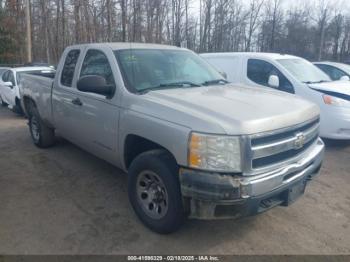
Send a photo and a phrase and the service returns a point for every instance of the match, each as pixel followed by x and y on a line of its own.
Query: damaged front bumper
pixel 212 195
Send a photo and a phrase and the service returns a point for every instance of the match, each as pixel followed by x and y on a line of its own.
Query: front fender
pixel 170 136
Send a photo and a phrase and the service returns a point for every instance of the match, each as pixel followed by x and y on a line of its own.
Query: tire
pixel 2 102
pixel 167 214
pixel 42 135
pixel 18 108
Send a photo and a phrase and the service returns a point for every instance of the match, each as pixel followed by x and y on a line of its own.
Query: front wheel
pixel 154 191
pixel 41 134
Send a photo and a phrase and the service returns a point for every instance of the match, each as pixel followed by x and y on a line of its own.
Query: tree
pixel 335 31
pixel 7 46
pixel 322 19
pixel 205 40
pixel 322 31
pixel 253 19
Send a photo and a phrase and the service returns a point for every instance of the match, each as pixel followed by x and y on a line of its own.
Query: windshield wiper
pixel 215 82
pixel 180 84
pixel 170 85
pixel 316 82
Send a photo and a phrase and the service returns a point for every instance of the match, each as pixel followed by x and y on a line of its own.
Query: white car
pixel 293 75
pixel 336 71
pixel 10 94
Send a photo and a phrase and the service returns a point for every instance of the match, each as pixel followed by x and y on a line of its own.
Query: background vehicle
pixel 10 93
pixel 3 70
pixel 39 64
pixel 336 71
pixel 192 144
pixel 293 75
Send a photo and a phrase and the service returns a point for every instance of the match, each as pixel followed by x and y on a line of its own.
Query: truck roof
pixel 274 56
pixel 122 45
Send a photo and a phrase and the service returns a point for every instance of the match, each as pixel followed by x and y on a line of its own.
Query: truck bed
pixel 39 88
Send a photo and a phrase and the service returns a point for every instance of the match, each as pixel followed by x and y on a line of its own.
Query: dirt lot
pixel 65 201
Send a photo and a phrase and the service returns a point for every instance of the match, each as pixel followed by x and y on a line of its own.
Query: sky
pixel 343 4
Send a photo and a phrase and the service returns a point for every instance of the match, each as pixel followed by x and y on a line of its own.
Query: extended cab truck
pixel 192 144
pixel 293 75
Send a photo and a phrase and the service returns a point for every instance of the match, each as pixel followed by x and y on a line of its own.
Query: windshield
pixel 304 71
pixel 344 67
pixel 147 69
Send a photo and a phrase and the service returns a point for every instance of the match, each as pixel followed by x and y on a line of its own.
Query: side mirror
pixel 8 84
pixel 274 81
pixel 94 84
pixel 224 75
pixel 345 78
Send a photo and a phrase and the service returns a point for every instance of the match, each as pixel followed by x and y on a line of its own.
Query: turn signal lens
pixel 327 99
pixel 335 101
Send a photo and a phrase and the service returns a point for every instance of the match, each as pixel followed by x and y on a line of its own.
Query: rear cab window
pixel 69 67
pixel 259 72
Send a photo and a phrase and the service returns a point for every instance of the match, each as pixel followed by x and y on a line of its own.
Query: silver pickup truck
pixel 193 144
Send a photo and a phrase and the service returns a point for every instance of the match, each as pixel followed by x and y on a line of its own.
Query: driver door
pixel 96 116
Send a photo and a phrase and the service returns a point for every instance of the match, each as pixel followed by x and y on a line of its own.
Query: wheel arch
pixel 28 102
pixel 134 145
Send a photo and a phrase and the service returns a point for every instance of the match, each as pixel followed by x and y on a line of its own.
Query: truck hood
pixel 335 87
pixel 230 109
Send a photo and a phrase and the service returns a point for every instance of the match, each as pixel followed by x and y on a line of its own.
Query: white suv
pixel 293 75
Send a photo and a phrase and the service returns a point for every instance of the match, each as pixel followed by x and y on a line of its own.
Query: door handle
pixel 77 102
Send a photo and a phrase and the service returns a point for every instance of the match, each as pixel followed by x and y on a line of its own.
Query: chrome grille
pixel 274 148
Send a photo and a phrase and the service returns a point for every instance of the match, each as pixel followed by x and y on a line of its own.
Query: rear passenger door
pixel 259 72
pixel 64 93
pixel 230 65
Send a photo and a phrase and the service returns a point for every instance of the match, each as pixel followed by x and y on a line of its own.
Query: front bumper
pixel 211 195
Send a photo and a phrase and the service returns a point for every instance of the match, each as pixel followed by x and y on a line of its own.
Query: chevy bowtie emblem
pixel 299 141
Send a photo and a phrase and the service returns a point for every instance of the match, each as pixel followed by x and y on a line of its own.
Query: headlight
pixel 335 101
pixel 214 153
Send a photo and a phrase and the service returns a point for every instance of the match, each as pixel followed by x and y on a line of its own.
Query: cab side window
pixel 96 63
pixel 11 78
pixel 259 72
pixel 5 76
pixel 69 68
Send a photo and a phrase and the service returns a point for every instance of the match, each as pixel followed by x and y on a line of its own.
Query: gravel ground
pixel 65 201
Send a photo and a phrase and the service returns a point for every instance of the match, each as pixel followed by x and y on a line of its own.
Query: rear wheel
pixel 18 108
pixel 41 134
pixel 3 102
pixel 154 191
